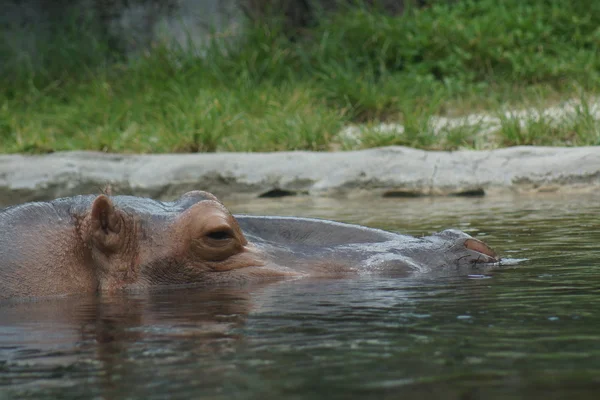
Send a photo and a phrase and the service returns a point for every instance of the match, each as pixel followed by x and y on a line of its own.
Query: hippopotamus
pixel 104 243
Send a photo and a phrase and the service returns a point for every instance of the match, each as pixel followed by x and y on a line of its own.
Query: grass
pixel 173 119
pixel 267 92
pixel 581 127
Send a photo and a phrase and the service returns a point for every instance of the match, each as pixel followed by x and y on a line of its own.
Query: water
pixel 524 331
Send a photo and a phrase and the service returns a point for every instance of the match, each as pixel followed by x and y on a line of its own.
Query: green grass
pixel 578 128
pixel 266 92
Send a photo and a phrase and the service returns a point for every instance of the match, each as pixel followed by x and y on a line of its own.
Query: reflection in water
pixel 524 331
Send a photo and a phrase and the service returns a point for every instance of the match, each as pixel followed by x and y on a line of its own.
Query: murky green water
pixel 528 331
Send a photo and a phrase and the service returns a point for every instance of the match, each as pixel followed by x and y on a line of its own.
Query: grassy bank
pixel 267 92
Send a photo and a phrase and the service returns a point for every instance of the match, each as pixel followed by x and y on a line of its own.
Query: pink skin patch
pixel 480 247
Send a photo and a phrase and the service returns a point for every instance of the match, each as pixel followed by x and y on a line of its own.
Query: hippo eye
pixel 220 235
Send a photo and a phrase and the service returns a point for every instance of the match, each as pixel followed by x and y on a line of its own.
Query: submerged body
pixel 100 243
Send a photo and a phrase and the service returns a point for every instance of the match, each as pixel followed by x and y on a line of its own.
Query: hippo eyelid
pixel 220 234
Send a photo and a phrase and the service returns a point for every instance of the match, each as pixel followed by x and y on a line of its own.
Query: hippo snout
pixel 467 249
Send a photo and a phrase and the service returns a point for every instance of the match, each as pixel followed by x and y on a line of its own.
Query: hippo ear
pixel 106 224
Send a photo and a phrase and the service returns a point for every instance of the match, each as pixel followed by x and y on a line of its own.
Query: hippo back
pixel 308 231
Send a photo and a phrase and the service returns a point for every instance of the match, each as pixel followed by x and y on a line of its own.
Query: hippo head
pixel 90 243
pixel 134 242
pixel 195 239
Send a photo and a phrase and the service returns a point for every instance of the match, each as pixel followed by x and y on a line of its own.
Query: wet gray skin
pixel 97 243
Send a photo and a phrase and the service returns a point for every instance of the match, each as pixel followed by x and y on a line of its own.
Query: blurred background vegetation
pixel 293 74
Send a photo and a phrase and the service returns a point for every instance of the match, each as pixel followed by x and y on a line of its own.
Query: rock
pixel 388 171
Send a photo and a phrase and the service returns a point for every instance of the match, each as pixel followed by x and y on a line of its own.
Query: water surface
pixel 525 331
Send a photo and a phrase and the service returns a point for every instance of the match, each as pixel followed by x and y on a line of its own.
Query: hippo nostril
pixel 480 247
